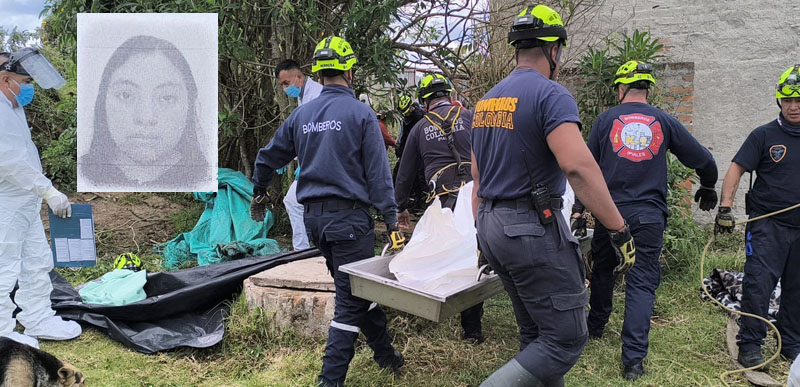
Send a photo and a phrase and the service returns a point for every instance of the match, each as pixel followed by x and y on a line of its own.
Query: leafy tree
pixel 255 36
pixel 597 69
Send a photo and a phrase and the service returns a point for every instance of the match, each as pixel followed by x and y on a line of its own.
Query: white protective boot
pixel 24 339
pixel 794 374
pixel 295 212
pixel 54 328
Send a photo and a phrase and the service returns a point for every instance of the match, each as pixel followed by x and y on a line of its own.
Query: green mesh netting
pixel 224 231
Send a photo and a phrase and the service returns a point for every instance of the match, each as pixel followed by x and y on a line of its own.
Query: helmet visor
pixel 28 61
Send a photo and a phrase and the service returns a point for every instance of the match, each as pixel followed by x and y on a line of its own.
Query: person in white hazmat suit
pixel 300 86
pixel 794 374
pixel 25 256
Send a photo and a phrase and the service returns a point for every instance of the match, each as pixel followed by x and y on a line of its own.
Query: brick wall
pixel 675 86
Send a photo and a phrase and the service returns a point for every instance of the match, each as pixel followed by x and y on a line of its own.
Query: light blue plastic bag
pixel 119 287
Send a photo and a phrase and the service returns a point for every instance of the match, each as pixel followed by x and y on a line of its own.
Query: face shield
pixel 31 62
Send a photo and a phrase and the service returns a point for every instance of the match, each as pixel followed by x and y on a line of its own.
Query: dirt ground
pixel 130 222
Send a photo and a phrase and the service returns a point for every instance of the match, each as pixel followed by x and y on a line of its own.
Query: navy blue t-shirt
pixel 774 155
pixel 630 143
pixel 509 132
pixel 337 140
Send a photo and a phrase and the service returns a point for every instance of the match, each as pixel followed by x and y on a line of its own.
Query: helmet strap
pixel 550 60
pixel 624 94
pixel 628 88
pixel 348 80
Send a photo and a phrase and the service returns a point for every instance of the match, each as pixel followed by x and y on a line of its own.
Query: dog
pixel 24 366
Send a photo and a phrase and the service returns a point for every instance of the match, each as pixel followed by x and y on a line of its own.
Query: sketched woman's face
pixel 147 107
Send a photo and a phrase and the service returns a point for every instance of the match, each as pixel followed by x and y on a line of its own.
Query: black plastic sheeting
pixel 184 308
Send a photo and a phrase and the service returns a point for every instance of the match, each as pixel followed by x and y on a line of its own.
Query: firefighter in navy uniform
pixel 526 143
pixel 440 144
pixel 630 143
pixel 412 113
pixel 338 142
pixel 772 247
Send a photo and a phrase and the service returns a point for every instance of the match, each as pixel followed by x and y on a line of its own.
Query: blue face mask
pixel 25 94
pixel 292 91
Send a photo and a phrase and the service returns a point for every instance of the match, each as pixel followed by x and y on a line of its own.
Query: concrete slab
pixel 305 274
pixel 307 313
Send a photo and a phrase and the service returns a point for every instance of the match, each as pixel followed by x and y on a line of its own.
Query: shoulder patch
pixel 777 152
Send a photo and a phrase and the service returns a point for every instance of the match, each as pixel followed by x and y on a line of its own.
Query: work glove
pixel 258 204
pixel 396 238
pixel 707 198
pixel 58 203
pixel 622 241
pixel 578 224
pixel 724 222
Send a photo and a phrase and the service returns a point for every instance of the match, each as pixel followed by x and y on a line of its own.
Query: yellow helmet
pixel 538 22
pixel 433 83
pixel 404 105
pixel 333 53
pixel 789 83
pixel 635 71
pixel 128 261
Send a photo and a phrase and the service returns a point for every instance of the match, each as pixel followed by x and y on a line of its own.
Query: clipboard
pixel 72 239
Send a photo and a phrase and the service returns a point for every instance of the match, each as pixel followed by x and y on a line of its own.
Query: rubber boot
pixel 751 359
pixel 512 374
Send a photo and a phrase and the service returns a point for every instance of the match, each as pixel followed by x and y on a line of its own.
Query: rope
pixel 705 290
pixel 432 194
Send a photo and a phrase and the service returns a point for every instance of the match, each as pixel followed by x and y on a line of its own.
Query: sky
pixel 24 14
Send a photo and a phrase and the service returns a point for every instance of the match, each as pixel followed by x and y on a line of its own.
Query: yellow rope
pixel 432 194
pixel 705 290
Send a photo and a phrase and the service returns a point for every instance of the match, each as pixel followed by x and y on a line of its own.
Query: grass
pixel 185 220
pixel 687 346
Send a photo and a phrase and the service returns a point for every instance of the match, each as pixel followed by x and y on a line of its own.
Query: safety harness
pixel 446 126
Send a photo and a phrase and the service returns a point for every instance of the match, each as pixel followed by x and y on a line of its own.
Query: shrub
pixel 59 161
pixel 683 237
pixel 598 68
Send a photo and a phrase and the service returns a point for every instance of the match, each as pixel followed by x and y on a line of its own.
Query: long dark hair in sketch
pixel 101 165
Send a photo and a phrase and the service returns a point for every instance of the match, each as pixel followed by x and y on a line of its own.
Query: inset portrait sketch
pixel 147 102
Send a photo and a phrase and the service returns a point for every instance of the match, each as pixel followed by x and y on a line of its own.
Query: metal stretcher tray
pixel 371 280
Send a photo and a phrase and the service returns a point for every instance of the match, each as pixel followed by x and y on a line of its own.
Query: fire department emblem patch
pixel 777 152
pixel 636 137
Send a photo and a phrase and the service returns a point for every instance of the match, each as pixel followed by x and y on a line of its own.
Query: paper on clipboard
pixel 62 250
pixel 87 229
pixel 72 239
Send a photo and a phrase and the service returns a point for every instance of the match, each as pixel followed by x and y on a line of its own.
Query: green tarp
pixel 225 220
